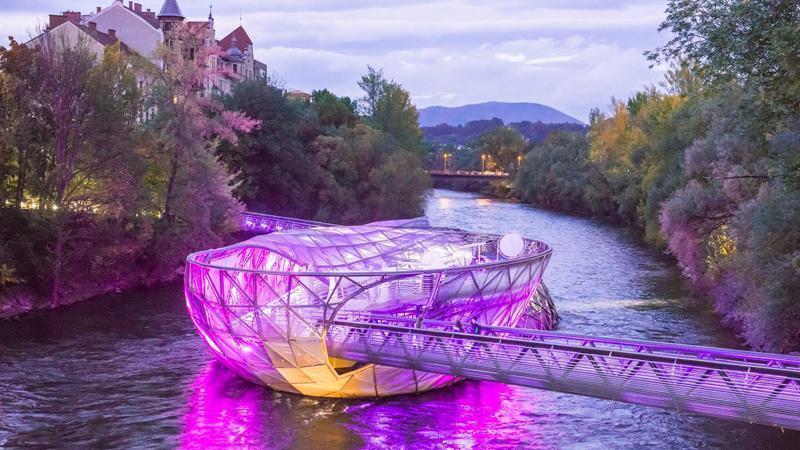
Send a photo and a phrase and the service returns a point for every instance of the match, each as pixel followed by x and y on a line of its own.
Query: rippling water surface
pixel 129 370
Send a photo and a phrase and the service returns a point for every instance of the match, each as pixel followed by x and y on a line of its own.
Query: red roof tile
pixel 243 40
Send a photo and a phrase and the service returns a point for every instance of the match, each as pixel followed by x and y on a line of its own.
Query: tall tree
pixel 387 106
pixel 188 122
pixel 373 84
pixel 332 110
pixel 272 170
pixel 19 126
pixel 89 110
pixel 751 43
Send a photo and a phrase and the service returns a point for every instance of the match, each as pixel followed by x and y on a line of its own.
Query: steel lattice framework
pixel 335 311
pixel 748 386
pixel 265 305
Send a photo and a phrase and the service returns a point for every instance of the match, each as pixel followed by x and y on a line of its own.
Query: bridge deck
pixel 747 386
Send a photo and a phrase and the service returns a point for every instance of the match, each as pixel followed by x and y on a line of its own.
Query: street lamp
pixel 483 163
pixel 446 155
pixel 519 162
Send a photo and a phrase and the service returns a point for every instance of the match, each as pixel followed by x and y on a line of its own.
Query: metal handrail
pixel 709 381
pixel 546 340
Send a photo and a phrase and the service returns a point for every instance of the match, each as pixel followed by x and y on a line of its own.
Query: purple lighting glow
pixel 264 306
pixel 400 307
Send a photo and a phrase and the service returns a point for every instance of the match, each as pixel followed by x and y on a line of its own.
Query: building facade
pixel 143 30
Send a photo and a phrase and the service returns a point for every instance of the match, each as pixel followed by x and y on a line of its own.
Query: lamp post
pixel 446 155
pixel 483 163
pixel 519 162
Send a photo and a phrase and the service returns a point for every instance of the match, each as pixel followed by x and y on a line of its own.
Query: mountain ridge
pixel 508 112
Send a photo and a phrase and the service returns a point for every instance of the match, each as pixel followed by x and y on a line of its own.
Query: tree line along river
pixel 129 371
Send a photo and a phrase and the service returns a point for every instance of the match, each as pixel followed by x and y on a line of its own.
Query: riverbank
pixel 101 257
pixel 496 189
pixel 22 300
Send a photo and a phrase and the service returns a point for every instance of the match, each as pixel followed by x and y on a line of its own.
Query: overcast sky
pixel 569 54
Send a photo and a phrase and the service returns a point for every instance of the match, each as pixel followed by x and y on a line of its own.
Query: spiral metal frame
pixel 264 306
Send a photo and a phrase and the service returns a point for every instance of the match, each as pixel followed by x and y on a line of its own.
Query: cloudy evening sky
pixel 569 54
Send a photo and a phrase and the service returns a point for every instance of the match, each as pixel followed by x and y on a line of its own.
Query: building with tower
pixel 143 30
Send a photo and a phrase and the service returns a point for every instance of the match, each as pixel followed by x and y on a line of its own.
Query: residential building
pixel 298 95
pixel 143 31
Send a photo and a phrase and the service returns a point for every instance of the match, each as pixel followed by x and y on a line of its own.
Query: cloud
pixel 510 58
pixel 569 54
pixel 576 75
pixel 520 58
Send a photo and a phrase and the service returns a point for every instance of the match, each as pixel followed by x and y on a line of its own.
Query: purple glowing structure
pixel 265 306
pixel 399 307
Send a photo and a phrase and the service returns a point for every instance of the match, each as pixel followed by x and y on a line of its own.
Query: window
pixel 235 68
pixel 191 54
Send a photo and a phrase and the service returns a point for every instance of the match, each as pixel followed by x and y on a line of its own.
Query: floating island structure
pixel 264 306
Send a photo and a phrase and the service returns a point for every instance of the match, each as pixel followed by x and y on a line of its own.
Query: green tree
pixel 367 177
pixel 273 171
pixel 373 83
pixel 19 127
pixel 750 43
pixel 388 107
pixel 553 173
pixel 503 147
pixel 332 110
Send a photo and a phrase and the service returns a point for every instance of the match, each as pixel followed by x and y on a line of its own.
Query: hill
pixel 507 112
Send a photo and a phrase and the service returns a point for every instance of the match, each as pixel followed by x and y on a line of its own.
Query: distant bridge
pixel 444 175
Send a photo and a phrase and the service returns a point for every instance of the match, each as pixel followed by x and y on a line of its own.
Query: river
pixel 129 371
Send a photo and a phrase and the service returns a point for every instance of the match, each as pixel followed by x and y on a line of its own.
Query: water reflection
pixel 223 411
pixel 467 415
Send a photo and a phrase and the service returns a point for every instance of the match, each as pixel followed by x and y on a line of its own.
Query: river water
pixel 129 371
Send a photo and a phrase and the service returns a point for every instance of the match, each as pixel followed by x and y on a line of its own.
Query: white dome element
pixel 511 245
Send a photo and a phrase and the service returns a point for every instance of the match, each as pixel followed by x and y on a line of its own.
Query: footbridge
pixel 462 175
pixel 733 384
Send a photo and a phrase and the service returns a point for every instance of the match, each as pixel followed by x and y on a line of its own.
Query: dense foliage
pixel 113 169
pixel 323 161
pixel 95 198
pixel 708 164
pixel 465 135
pixel 500 149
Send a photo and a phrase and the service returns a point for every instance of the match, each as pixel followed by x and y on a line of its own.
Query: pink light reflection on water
pixel 223 411
pixel 226 412
pixel 468 415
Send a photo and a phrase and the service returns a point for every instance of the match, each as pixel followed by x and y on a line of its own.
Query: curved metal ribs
pixel 747 386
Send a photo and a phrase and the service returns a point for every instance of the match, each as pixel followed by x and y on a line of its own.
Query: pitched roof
pixel 104 38
pixel 242 39
pixel 149 18
pixel 171 9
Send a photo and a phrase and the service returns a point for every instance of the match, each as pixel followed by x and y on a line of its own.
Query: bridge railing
pixel 267 223
pixel 467 174
pixel 733 384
